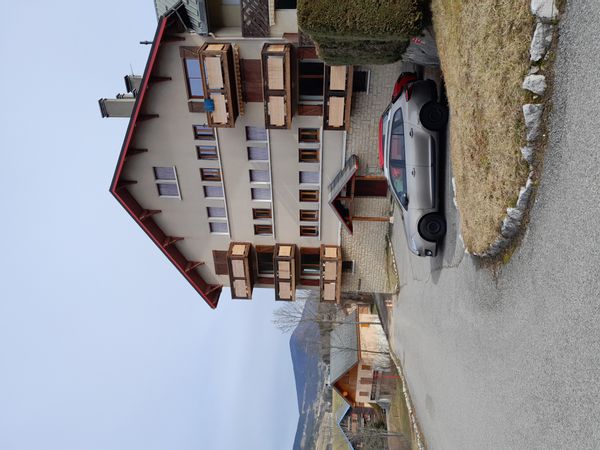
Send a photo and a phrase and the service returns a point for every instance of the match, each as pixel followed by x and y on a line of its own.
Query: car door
pixel 419 166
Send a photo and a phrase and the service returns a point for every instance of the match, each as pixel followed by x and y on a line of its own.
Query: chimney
pixel 122 106
pixel 133 83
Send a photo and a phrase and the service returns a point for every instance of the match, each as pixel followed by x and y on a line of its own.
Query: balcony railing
pixel 255 18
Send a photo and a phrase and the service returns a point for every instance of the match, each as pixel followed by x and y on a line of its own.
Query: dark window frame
pixel 188 77
pixel 309 215
pixel 263 229
pixel 210 152
pixel 262 213
pixel 308 155
pixel 309 195
pixel 204 134
pixel 210 174
pixel 308 135
pixel 309 230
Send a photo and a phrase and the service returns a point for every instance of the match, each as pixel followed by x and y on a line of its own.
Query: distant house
pixel 348 423
pixel 361 369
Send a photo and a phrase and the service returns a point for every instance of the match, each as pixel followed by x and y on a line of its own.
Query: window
pixel 194 78
pixel 348 266
pixel 309 215
pixel 215 211
pixel 256 134
pixel 397 163
pixel 261 213
pixel 259 176
pixel 210 174
pixel 204 133
pixel 310 80
pixel 261 194
pixel 309 177
pixel 220 262
pixel 207 152
pixel 218 227
pixel 309 230
pixel 166 181
pixel 360 81
pixel 285 4
pixel 258 154
pixel 213 191
pixel 310 261
pixel 308 134
pixel 263 230
pixel 264 260
pixel 307 195
pixel 308 155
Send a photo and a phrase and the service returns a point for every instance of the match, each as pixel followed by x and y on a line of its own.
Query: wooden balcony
pixel 285 272
pixel 240 270
pixel 338 97
pixel 255 18
pixel 331 273
pixel 277 84
pixel 218 78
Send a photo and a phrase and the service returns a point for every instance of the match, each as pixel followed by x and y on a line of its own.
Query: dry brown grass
pixel 484 52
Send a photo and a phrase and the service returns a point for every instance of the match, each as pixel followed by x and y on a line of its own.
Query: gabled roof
pixel 338 416
pixel 344 346
pixel 210 293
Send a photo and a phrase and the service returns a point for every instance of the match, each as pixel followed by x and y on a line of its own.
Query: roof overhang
pixel 341 192
pixel 210 293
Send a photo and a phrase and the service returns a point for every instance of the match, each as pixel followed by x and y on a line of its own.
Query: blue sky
pixel 103 345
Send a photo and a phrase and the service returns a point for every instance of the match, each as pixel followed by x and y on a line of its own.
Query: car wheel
pixel 434 116
pixel 432 227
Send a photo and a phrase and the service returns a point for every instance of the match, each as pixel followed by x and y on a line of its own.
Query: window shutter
pixel 252 83
pixel 220 261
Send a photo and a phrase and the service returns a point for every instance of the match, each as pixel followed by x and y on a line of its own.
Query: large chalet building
pixel 235 161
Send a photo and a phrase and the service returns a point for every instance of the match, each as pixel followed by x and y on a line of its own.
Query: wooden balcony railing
pixel 218 79
pixel 331 273
pixel 277 83
pixel 285 271
pixel 338 97
pixel 255 18
pixel 240 271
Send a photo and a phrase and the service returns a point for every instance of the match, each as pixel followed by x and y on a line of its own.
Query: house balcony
pixel 240 270
pixel 277 84
pixel 241 18
pixel 331 273
pixel 218 70
pixel 285 271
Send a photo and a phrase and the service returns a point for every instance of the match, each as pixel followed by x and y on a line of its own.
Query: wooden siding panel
pixel 252 82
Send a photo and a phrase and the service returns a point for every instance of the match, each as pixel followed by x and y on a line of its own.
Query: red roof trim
pixel 125 198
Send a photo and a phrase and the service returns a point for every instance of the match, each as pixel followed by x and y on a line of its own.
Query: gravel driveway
pixel 513 362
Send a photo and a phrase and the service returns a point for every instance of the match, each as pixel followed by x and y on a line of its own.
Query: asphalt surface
pixel 513 361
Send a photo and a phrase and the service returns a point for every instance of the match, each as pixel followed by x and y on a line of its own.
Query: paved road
pixel 514 362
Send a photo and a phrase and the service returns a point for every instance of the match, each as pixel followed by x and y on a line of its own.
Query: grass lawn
pixel 484 53
pixel 399 420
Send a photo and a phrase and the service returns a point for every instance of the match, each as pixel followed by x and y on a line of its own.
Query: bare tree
pixel 287 317
pixel 375 436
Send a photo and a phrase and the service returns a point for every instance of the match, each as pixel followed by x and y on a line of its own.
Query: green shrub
pixel 367 51
pixel 362 31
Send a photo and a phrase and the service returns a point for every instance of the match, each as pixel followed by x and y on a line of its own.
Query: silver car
pixel 410 155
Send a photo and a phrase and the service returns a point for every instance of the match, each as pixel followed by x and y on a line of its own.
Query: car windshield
pixel 396 160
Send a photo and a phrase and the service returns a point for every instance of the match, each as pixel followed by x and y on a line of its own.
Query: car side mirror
pixel 404 200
